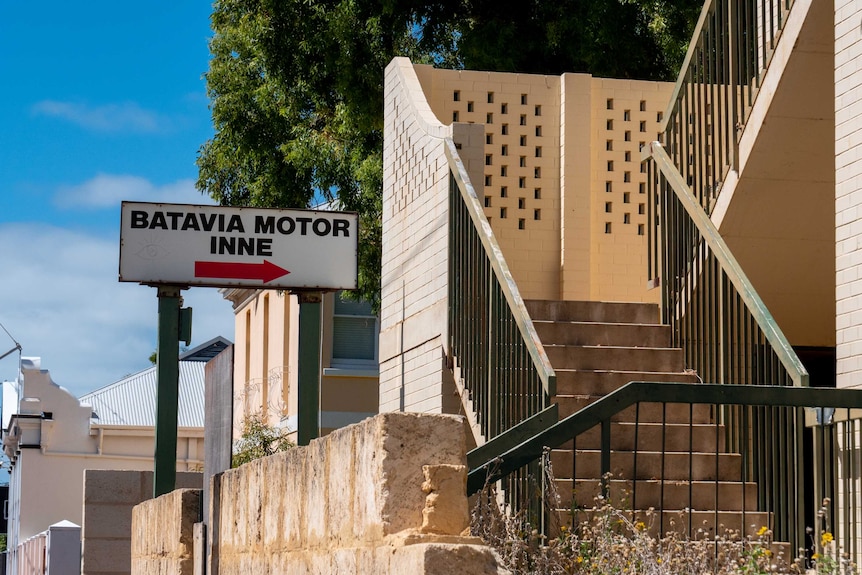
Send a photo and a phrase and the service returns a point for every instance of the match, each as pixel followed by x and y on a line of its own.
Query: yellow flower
pixel 762 531
pixel 640 525
pixel 816 556
pixel 580 559
pixel 826 538
pixel 658 560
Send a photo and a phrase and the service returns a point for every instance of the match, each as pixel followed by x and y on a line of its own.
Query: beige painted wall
pixel 265 358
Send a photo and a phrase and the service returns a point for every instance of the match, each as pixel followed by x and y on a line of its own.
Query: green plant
pixel 258 440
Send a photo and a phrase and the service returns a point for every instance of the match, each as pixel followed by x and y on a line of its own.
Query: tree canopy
pixel 296 86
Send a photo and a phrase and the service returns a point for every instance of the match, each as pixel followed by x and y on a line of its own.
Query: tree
pixel 296 86
pixel 258 440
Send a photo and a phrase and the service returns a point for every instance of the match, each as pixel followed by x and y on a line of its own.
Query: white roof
pixel 132 400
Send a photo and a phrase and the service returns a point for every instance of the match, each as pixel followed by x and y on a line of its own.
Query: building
pixel 51 437
pixel 266 354
pixel 556 162
pixel 743 222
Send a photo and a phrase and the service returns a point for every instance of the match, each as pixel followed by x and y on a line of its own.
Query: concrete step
pixel 677 437
pixel 593 333
pixel 671 466
pixel 643 494
pixel 645 412
pixel 612 312
pixel 603 381
pixel 616 358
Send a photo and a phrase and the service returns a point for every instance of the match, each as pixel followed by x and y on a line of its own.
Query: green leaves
pixel 296 86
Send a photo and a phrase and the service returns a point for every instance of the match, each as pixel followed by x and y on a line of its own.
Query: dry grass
pixel 607 540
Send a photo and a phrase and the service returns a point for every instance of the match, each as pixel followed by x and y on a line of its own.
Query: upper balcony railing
pixel 723 70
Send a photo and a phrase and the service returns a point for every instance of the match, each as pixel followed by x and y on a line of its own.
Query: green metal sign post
pixel 174 323
pixel 308 416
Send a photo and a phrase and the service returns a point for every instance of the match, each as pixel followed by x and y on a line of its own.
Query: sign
pixel 217 246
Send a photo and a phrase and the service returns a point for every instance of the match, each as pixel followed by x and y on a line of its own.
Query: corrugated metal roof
pixel 132 400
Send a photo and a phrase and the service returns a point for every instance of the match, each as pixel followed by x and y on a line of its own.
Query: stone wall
pixel 163 533
pixel 109 497
pixel 385 496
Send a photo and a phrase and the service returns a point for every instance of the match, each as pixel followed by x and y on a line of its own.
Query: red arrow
pixel 265 272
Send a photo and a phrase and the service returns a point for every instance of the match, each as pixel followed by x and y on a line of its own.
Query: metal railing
pixel 503 366
pixel 715 314
pixel 600 448
pixel 732 45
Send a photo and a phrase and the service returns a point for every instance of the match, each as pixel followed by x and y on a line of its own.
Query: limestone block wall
pixel 385 496
pixel 163 533
pixel 106 532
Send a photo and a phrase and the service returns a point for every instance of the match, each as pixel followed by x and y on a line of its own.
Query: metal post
pixel 167 370
pixel 308 373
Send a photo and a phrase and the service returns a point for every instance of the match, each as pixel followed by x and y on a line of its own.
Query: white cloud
pixel 61 300
pixel 122 117
pixel 108 190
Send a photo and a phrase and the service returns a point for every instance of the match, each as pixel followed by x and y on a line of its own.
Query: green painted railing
pixel 717 317
pixel 788 490
pixel 503 366
pixel 730 52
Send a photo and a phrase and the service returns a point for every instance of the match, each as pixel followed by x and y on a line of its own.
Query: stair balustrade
pixel 730 52
pixel 503 368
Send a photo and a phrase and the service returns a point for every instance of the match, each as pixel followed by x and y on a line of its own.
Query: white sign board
pixel 219 246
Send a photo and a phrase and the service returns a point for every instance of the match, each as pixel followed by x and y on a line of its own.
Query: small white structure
pixel 51 437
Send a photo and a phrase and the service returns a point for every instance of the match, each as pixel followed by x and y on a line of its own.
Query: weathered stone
pixel 446 509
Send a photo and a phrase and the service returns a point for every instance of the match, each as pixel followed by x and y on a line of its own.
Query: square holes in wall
pixel 504 129
pixel 488 159
pixel 523 99
pixel 608 228
pixel 627 115
pixel 504 150
pixel 504 170
pixel 469 106
pixel 523 119
pixel 643 106
pixel 609 207
pixel 537 193
pixel 609 145
pixel 538 130
pixel 537 111
pixel 522 224
pixel 504 192
pixel 522 182
pixel 522 162
pixel 523 140
pixel 455 116
pixel 627 198
pixel 522 203
pixel 537 214
pixel 627 218
pixel 504 108
pixel 609 124
pixel 610 103
pixel 627 136
pixel 490 97
pixel 456 95
pixel 487 201
pixel 489 139
pixel 487 180
pixel 537 172
pixel 489 118
pixel 502 213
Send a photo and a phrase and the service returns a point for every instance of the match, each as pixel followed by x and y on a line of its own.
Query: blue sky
pixel 101 102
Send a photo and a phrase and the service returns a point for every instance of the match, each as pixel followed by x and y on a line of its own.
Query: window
pixel 469 106
pixel 522 203
pixel 504 108
pixel 523 99
pixel 643 105
pixel 610 104
pixel 504 129
pixel 456 95
pixel 354 333
pixel 627 115
pixel 490 97
pixel 455 116
pixel 609 207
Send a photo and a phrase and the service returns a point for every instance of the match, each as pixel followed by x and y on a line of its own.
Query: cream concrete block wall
pixel 563 187
pixel 163 533
pixel 106 529
pixel 625 115
pixel 413 316
pixel 848 191
pixel 520 175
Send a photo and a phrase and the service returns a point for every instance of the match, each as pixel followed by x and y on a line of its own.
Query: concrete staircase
pixel 679 463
